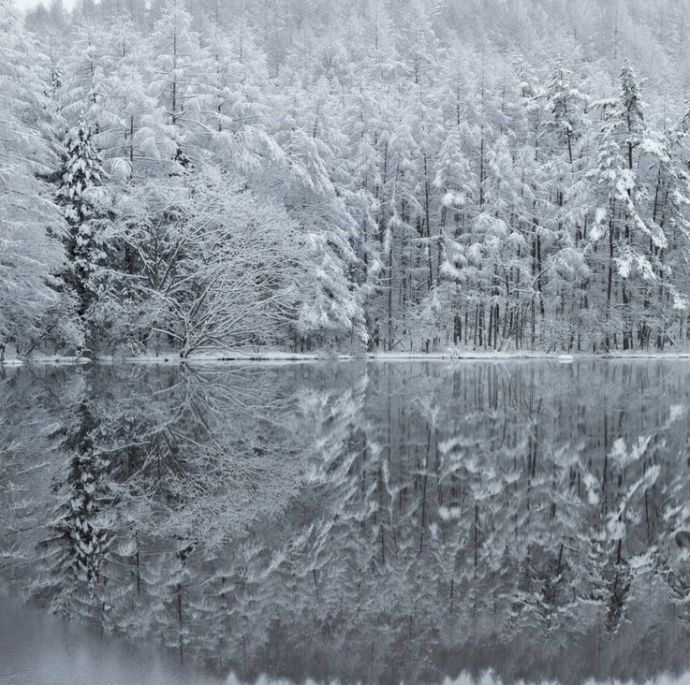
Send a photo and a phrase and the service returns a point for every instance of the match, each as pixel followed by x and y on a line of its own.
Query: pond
pixel 347 522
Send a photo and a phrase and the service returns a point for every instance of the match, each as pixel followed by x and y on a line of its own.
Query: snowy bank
pixel 280 357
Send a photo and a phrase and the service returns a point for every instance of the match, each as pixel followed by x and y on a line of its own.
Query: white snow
pixel 282 357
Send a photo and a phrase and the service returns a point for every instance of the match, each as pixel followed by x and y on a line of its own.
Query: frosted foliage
pixel 468 174
pixel 26 257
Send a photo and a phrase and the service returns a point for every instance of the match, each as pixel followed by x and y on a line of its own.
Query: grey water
pixel 40 649
pixel 352 523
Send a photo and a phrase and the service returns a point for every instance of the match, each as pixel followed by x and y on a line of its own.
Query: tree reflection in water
pixel 380 523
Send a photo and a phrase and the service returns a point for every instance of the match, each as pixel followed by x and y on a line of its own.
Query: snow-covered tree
pixel 210 266
pixel 397 138
pixel 85 209
pixel 26 208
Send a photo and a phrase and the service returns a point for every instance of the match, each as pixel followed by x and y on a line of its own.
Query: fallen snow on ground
pixel 45 359
pixel 279 357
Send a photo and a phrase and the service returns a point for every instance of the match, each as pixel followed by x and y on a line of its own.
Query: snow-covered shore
pixel 278 357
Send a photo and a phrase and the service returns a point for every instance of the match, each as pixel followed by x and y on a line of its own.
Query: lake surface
pixel 379 523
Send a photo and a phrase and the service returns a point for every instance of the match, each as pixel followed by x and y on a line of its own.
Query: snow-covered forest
pixel 388 175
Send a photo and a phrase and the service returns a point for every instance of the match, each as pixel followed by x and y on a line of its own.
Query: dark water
pixel 399 522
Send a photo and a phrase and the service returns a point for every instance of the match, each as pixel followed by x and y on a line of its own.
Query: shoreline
pixel 310 357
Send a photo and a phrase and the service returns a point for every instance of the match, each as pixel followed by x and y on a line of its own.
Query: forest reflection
pixel 377 523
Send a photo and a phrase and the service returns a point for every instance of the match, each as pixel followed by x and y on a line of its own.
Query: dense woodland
pixel 374 174
pixel 394 523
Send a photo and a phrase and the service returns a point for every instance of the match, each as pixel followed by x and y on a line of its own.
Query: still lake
pixel 346 522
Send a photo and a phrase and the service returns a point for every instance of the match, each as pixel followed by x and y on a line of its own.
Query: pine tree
pixel 562 131
pixel 180 78
pixel 632 241
pixel 26 208
pixel 81 176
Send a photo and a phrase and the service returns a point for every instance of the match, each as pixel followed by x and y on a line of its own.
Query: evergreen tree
pixel 26 209
pixel 80 179
pixel 632 242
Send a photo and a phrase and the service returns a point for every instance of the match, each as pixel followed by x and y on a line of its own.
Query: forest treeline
pixel 382 174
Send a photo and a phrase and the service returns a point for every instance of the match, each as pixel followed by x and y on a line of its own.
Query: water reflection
pixel 378 524
pixel 37 649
